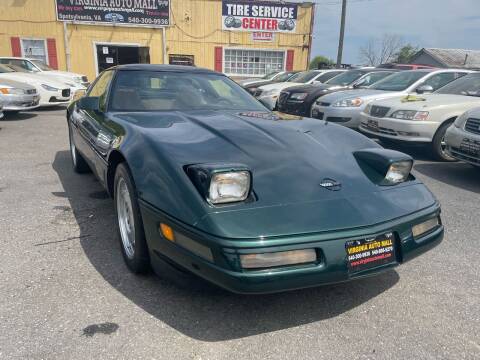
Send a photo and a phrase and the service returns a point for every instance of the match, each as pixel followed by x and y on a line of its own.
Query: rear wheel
pixel 439 146
pixel 80 166
pixel 130 226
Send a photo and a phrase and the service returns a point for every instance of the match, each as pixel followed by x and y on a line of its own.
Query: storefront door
pixel 110 55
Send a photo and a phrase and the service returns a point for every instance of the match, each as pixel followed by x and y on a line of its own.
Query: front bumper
pixel 12 102
pixel 401 130
pixel 463 145
pixel 300 108
pixel 331 267
pixel 53 98
pixel 349 117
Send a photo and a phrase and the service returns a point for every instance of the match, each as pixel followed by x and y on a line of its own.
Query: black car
pixel 298 100
pixel 251 88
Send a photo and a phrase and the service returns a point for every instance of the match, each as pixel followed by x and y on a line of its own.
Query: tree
pixel 381 51
pixel 406 54
pixel 322 61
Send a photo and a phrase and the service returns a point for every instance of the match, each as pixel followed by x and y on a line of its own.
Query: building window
pixel 35 49
pixel 245 62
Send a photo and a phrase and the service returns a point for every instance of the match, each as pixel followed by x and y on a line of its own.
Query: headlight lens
pixel 298 96
pixel 228 187
pixel 49 88
pixel 268 260
pixel 348 103
pixel 12 91
pixel 399 172
pixel 410 115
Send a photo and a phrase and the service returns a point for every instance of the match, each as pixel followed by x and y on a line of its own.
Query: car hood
pixel 34 79
pixel 363 93
pixel 249 81
pixel 314 88
pixel 288 156
pixel 15 84
pixel 428 101
pixel 63 73
pixel 279 86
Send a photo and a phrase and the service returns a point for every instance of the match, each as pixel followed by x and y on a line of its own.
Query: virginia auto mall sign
pixel 259 16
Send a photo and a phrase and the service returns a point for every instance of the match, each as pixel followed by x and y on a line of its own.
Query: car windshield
pixel 373 77
pixel 41 65
pixel 346 78
pixel 303 77
pixel 5 69
pixel 467 85
pixel 270 75
pixel 399 81
pixel 284 77
pixel 178 91
pixel 327 76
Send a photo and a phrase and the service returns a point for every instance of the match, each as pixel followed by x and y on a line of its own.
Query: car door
pixel 92 137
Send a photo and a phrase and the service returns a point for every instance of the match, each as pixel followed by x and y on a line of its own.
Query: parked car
pixel 463 138
pixel 344 107
pixel 422 119
pixel 1 108
pixel 36 66
pixel 17 96
pixel 206 178
pixel 285 76
pixel 298 100
pixel 405 66
pixel 269 94
pixel 267 77
pixel 51 91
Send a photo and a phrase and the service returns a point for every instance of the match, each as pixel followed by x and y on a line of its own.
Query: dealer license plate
pixel 369 253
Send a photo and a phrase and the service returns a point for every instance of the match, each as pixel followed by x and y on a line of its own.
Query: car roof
pixel 164 68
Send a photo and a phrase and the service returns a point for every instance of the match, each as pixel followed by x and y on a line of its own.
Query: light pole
pixel 342 34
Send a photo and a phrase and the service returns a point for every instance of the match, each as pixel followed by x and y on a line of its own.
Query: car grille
pixel 379 111
pixel 473 126
pixel 469 151
pixel 31 91
pixel 66 93
pixel 283 97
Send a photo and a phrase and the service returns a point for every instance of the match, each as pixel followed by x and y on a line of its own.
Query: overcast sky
pixel 424 23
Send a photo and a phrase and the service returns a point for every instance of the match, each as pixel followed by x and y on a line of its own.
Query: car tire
pixel 80 166
pixel 130 229
pixel 438 147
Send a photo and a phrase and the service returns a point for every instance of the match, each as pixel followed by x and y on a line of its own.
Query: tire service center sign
pixel 259 16
pixel 150 13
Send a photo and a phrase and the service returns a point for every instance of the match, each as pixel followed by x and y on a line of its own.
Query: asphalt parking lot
pixel 65 292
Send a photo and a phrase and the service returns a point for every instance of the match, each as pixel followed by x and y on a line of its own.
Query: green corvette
pixel 206 180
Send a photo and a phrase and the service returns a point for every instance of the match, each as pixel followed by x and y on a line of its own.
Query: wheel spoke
pixel 125 218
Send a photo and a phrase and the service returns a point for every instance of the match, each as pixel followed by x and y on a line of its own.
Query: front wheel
pixel 80 166
pixel 439 146
pixel 130 226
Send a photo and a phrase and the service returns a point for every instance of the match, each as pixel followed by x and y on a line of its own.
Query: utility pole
pixel 342 34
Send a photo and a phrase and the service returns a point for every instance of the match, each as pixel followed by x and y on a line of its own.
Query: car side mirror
pixel 89 103
pixel 266 104
pixel 424 89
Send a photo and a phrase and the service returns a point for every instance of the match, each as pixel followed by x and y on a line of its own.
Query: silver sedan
pixel 17 96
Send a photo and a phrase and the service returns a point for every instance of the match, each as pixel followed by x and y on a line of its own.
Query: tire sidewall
pixel 140 261
pixel 437 143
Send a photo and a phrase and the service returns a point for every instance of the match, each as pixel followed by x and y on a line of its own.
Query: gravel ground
pixel 65 292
